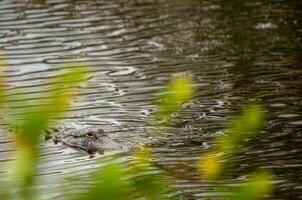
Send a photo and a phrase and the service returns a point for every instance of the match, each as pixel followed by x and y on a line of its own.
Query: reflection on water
pixel 237 52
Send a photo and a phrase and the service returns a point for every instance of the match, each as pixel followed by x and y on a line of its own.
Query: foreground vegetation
pixel 118 181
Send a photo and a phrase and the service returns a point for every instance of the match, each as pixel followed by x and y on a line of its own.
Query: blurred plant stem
pixel 258 186
pixel 178 92
pixel 30 128
pixel 214 163
pixel 121 181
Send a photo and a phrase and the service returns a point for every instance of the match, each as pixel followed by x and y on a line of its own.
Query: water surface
pixel 236 51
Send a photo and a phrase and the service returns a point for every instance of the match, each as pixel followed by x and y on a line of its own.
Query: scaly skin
pixel 90 140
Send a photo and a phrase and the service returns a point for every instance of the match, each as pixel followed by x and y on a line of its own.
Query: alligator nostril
pixel 55 140
pixel 92 148
pixel 91 151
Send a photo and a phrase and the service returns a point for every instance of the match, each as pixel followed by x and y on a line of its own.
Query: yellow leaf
pixel 210 166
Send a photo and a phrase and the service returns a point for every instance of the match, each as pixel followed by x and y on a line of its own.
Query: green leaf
pixel 258 186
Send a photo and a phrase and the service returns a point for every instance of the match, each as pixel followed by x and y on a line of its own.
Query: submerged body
pixel 91 140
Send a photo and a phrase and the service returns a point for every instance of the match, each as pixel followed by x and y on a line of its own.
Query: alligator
pixel 91 140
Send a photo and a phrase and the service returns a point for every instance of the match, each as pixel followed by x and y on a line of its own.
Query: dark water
pixel 237 52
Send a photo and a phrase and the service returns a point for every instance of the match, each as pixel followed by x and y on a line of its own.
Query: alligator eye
pixel 89 134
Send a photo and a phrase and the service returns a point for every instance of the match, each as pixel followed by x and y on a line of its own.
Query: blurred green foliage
pixel 110 184
pixel 121 181
pixel 242 127
pixel 214 163
pixel 178 92
pixel 249 123
pixel 30 128
pixel 259 185
pixel 115 181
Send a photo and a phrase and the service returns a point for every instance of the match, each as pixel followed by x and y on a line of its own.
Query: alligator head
pixel 90 140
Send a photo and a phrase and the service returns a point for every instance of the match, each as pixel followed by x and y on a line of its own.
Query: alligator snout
pixel 87 139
